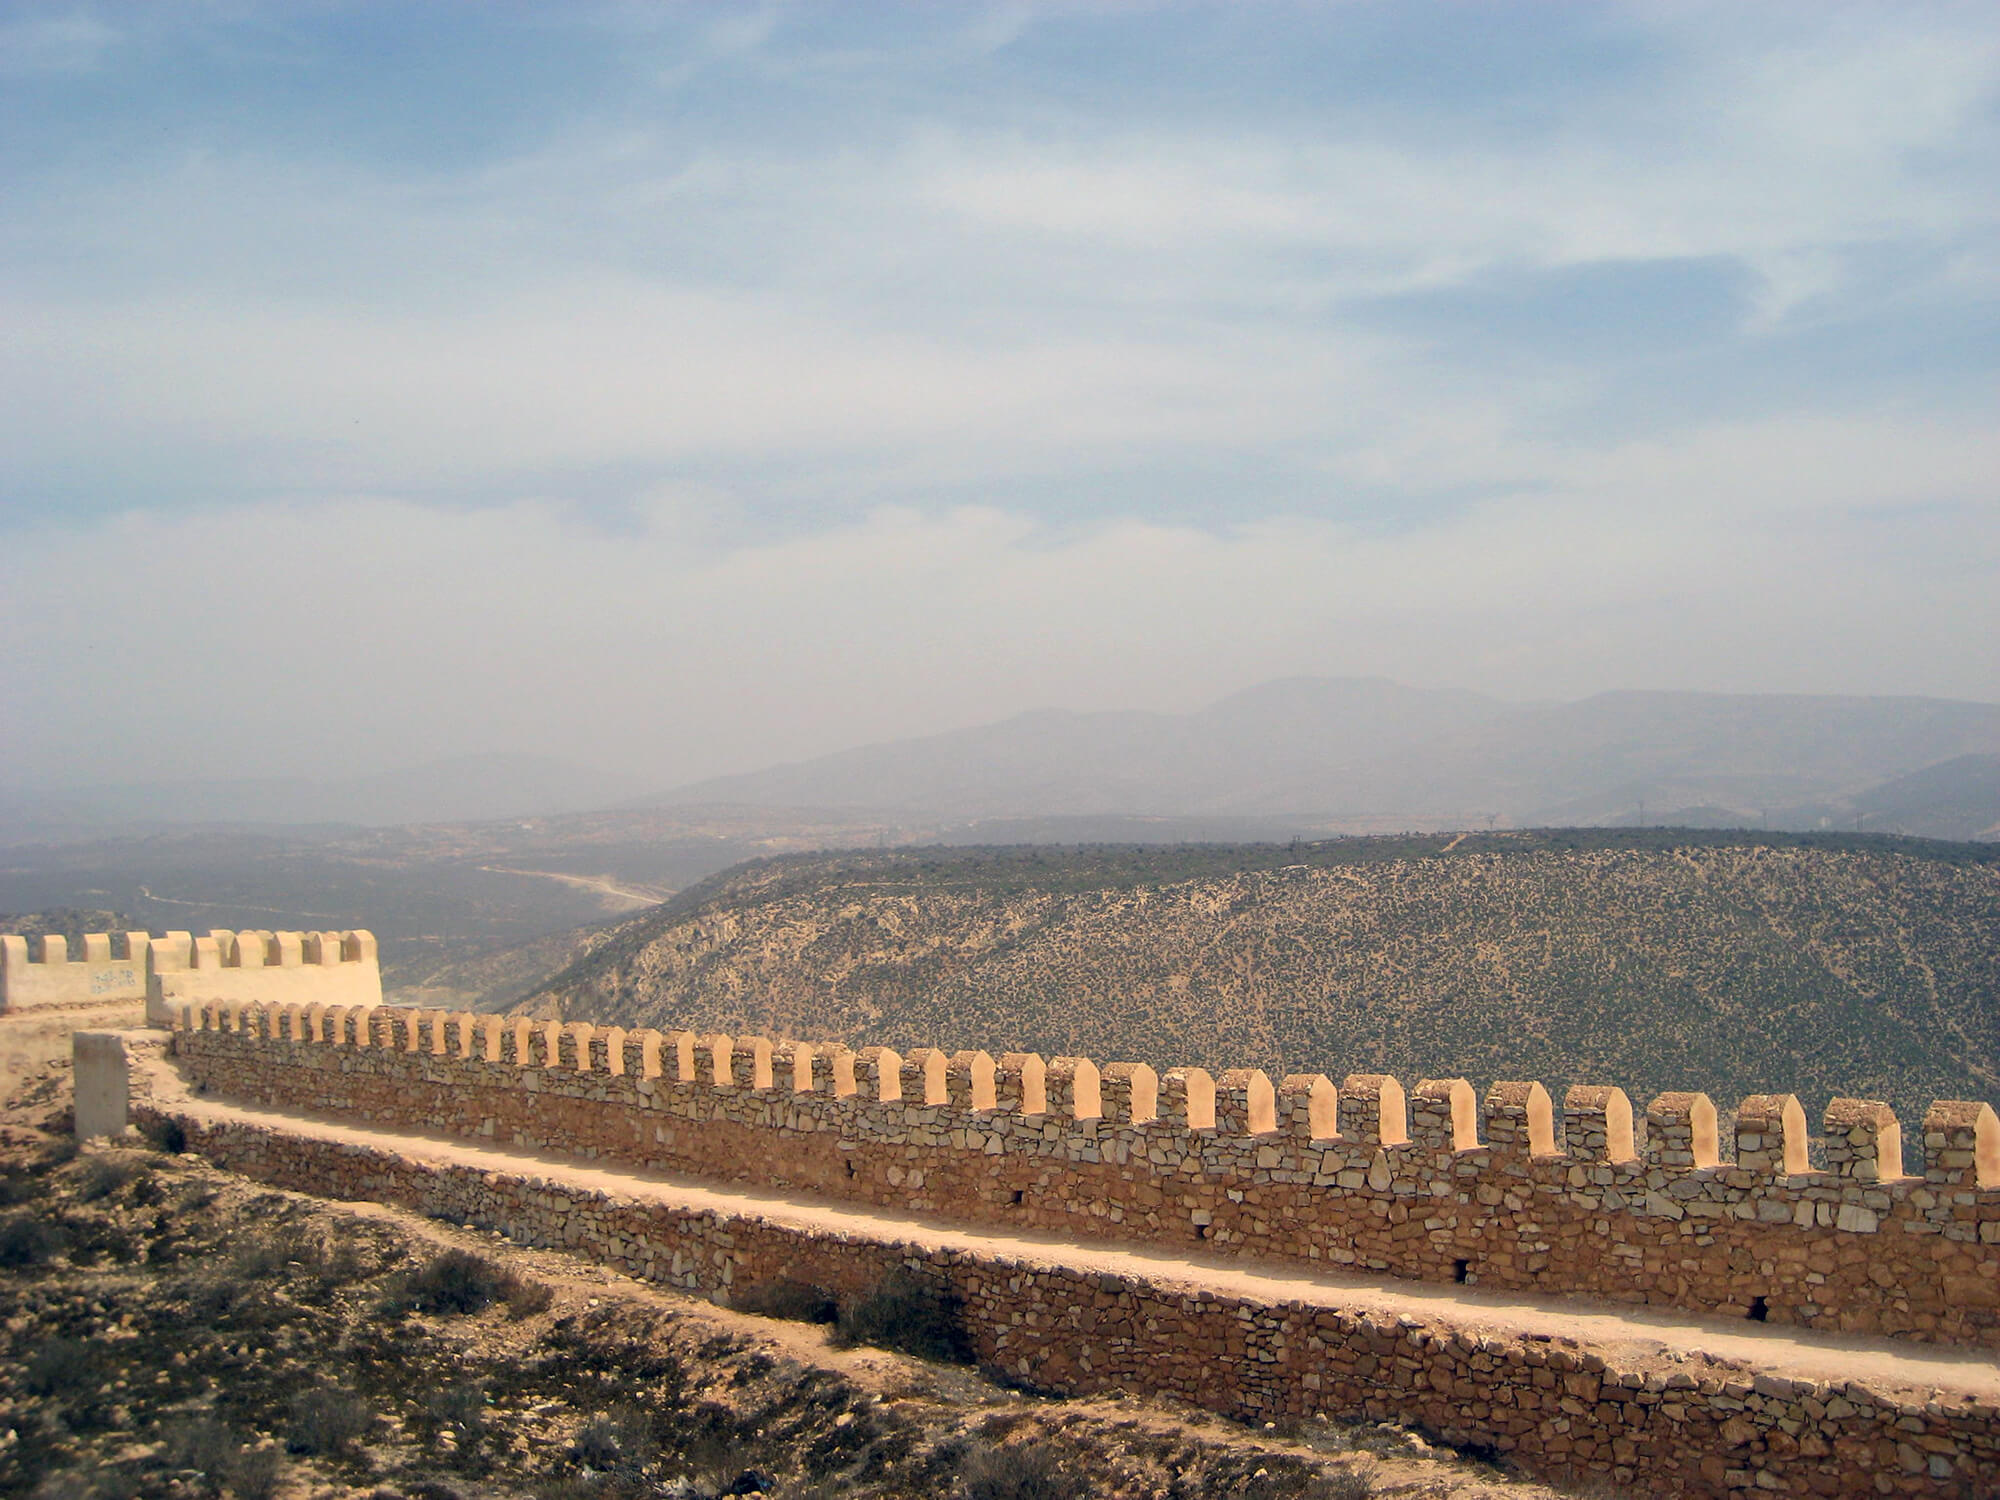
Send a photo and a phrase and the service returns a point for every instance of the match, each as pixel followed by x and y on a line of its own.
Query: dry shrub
pixel 327 1422
pixel 60 1368
pixel 27 1241
pixel 909 1315
pixel 1020 1472
pixel 794 1301
pixel 457 1281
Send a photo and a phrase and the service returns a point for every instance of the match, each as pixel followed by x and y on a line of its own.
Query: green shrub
pixel 101 1176
pixel 255 1473
pixel 164 1134
pixel 1348 1484
pixel 622 1441
pixel 203 1445
pixel 525 1298
pixel 461 1406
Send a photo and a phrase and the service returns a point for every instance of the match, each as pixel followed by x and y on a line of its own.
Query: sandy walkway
pixel 1627 1337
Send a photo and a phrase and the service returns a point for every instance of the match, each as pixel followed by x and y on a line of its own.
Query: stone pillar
pixel 1372 1110
pixel 1444 1116
pixel 1962 1144
pixel 1309 1106
pixel 833 1070
pixel 880 1073
pixel 1520 1120
pixel 102 1080
pixel 1597 1124
pixel 1681 1132
pixel 1129 1094
pixel 968 1081
pixel 1072 1086
pixel 922 1076
pixel 1187 1099
pixel 1771 1135
pixel 1245 1103
pixel 1864 1140
pixel 1020 1084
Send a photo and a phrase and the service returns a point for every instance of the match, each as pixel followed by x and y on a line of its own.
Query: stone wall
pixel 326 968
pixel 1347 1178
pixel 42 974
pixel 1554 1411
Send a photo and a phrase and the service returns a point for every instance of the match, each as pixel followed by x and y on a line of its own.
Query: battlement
pixel 178 967
pixel 1435 1182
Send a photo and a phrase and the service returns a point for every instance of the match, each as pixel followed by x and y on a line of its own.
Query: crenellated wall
pixel 327 968
pixel 41 973
pixel 1551 1407
pixel 1436 1184
pixel 298 968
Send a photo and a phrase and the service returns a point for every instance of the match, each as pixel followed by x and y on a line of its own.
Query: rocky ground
pixel 171 1330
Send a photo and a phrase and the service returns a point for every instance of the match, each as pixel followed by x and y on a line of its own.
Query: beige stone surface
pixel 327 968
pixel 101 1083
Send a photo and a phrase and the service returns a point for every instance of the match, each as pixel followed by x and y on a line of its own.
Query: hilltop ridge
pixel 1655 959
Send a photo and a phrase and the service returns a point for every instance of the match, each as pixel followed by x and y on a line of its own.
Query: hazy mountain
pixel 1218 760
pixel 1956 799
pixel 466 788
pixel 1364 752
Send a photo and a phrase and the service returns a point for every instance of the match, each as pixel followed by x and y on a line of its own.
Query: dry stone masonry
pixel 1434 1183
pixel 1546 1404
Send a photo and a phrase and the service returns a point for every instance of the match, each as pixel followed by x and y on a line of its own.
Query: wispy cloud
pixel 896 368
pixel 74 42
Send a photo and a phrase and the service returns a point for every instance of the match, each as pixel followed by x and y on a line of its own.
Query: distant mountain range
pixel 1363 753
pixel 1302 755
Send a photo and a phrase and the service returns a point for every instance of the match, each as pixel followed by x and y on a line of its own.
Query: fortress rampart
pixel 1551 1406
pixel 327 968
pixel 1437 1184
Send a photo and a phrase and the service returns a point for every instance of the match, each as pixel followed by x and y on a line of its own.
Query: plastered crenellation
pixel 177 968
pixel 1434 1182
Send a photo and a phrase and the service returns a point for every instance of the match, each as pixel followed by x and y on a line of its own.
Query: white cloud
pixel 899 343
pixel 376 631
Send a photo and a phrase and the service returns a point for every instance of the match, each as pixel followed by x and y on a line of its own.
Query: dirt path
pixel 1630 1337
pixel 617 897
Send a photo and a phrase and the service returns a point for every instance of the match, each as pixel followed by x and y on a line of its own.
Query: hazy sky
pixel 682 388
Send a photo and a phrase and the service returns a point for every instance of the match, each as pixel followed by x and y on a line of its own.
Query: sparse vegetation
pixel 326 1422
pixel 26 1240
pixel 240 1352
pixel 794 1301
pixel 460 1282
pixel 907 1314
pixel 1020 1472
pixel 1651 958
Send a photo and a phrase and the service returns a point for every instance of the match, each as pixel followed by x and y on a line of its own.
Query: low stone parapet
pixel 1436 1187
pixel 1549 1407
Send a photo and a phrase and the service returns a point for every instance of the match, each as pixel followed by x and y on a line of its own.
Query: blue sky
pixel 682 388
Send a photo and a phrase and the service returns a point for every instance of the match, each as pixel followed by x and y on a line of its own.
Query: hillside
pixel 1654 958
